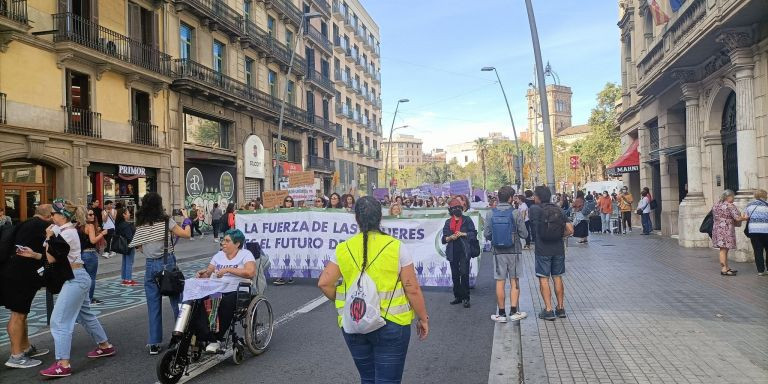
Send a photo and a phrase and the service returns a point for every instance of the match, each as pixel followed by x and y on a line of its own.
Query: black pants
pixel 626 221
pixel 108 239
pixel 196 228
pixel 215 224
pixel 199 321
pixel 531 236
pixel 460 276
pixel 760 245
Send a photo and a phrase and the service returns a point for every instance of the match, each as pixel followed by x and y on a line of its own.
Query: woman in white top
pixel 72 303
pixel 234 264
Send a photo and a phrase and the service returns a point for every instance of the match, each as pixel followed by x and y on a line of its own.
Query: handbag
pixel 120 245
pixel 639 211
pixel 474 247
pixel 707 223
pixel 169 281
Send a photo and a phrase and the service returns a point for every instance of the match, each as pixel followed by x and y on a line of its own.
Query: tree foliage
pixel 602 146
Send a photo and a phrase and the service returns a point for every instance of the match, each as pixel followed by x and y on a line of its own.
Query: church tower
pixel 559 100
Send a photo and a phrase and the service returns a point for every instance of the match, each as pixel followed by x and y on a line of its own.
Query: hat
pixel 455 202
pixel 59 206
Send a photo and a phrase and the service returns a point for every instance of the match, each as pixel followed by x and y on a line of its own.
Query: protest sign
pixel 300 243
pixel 301 179
pixel 380 193
pixel 274 198
pixel 461 187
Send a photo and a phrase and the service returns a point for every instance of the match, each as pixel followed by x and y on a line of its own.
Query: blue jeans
pixel 380 355
pixel 91 265
pixel 155 299
pixel 127 269
pixel 647 226
pixel 549 265
pixel 73 305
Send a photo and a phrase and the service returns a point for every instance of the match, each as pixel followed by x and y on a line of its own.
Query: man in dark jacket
pixel 457 231
pixel 21 280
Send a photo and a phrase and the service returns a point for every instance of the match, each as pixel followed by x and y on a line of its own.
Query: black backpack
pixel 551 225
pixel 7 248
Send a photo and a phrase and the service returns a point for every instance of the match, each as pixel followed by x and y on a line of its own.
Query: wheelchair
pixel 253 314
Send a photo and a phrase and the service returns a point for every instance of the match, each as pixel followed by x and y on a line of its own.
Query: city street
pixel 640 310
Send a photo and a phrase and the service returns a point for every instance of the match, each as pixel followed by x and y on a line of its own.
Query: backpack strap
pixel 393 294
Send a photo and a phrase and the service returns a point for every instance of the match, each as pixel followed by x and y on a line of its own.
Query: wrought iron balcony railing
pixel 322 81
pixel 144 133
pixel 319 38
pixel 324 7
pixel 15 10
pixel 83 122
pixel 321 163
pixel 287 9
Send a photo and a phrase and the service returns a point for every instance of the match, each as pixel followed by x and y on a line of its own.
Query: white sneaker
pixel 212 347
pixel 499 319
pixel 517 316
pixel 106 255
pixel 216 240
pixel 762 273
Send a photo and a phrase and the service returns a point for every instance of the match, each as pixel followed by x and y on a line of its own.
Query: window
pixel 187 35
pixel 247 9
pixel 218 56
pixel 289 38
pixel 272 79
pixel 290 96
pixel 205 132
pixel 312 146
pixel 271 26
pixel 140 106
pixel 78 90
pixel 326 108
pixel 292 150
pixel 141 24
pixel 249 71
pixel 310 103
pixel 325 69
pixel 324 29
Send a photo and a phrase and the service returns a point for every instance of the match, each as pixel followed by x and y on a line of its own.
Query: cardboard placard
pixel 301 179
pixel 274 199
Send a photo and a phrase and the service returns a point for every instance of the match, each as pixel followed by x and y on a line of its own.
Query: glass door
pixel 13 204
pixel 21 202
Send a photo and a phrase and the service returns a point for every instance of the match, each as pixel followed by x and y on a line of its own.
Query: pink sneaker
pixel 102 352
pixel 57 370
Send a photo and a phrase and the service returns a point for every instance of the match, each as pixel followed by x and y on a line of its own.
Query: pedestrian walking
pixel 522 208
pixel 757 229
pixel 228 220
pixel 456 232
pixel 108 216
pixel 726 218
pixel 97 213
pixel 625 207
pixel 644 210
pixel 194 215
pixel 504 227
pixel 605 204
pixel 374 260
pixel 551 227
pixel 150 239
pixel 72 303
pixel 90 236
pixel 126 229
pixel 20 282
pixel 216 215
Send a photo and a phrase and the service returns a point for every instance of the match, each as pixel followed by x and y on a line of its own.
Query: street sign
pixel 575 162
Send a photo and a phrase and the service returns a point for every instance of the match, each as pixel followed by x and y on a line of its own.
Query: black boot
pixel 466 303
pixel 456 301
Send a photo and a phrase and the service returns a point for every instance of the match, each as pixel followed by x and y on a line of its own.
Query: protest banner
pixel 274 198
pixel 301 179
pixel 299 243
pixel 380 193
pixel 461 187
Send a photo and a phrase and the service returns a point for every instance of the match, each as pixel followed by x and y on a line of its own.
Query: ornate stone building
pixel 694 96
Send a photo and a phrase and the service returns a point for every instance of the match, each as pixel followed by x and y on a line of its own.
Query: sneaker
pixel 34 352
pixel 102 352
pixel 560 312
pixel 290 281
pixel 547 315
pixel 762 273
pixel 456 301
pixel 154 349
pixel 22 361
pixel 499 319
pixel 132 283
pixel 124 283
pixel 57 370
pixel 625 232
pixel 466 303
pixel 106 255
pixel 216 240
pixel 279 282
pixel 96 301
pixel 212 347
pixel 517 316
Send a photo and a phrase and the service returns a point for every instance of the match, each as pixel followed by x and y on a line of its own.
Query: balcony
pixel 339 45
pixel 348 81
pixel 320 82
pixel 216 14
pixel 144 133
pixel 338 10
pixel 375 128
pixel 83 122
pixel 377 77
pixel 348 55
pixel 13 15
pixel 360 62
pixel 377 102
pixel 348 22
pixel 319 39
pixel 376 50
pixel 261 41
pixel 359 33
pixel 323 7
pixel 339 110
pixel 3 110
pixel 286 9
pixel 321 164
pixel 340 143
pixel 107 49
pixel 321 125
pixel 338 77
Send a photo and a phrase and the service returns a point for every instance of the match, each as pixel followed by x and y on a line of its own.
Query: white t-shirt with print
pixel 220 261
pixel 523 208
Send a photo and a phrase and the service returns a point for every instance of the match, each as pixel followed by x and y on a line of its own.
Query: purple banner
pixel 380 193
pixel 461 187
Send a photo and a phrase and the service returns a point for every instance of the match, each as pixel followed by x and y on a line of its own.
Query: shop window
pixel 205 132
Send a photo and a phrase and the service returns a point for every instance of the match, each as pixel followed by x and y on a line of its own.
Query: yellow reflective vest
pixel 383 268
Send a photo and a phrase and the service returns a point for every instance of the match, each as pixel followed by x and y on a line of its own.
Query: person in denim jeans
pixel 90 235
pixel 124 228
pixel 645 208
pixel 150 240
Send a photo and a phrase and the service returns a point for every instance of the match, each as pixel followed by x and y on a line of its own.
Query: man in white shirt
pixel 522 208
pixel 108 216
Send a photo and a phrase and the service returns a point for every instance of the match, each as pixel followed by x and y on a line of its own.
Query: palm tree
pixel 481 146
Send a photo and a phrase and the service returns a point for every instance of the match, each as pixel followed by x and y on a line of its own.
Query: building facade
pixel 357 76
pixel 560 117
pixel 694 97
pixel 465 153
pixel 435 156
pixel 404 151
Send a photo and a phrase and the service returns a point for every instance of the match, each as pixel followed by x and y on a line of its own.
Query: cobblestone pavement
pixel 643 310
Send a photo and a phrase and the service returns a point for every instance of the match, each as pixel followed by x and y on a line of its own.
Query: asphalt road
pixel 306 348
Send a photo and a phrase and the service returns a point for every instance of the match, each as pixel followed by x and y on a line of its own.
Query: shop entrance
pixel 23 187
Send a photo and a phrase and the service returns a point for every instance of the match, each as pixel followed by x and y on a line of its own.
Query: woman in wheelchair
pixel 232 263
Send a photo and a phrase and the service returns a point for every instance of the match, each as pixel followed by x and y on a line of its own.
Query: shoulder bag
pixel 170 280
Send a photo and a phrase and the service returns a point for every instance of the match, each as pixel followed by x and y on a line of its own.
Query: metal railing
pixel 15 10
pixel 321 124
pixel 318 37
pixel 340 142
pixel 3 110
pixel 219 12
pixel 144 133
pixel 321 163
pixel 321 80
pixel 338 42
pixel 288 9
pixel 348 20
pixel 323 6
pixel 71 27
pixel 376 49
pixel 83 122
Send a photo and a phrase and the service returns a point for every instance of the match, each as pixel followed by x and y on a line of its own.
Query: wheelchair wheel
pixel 259 325
pixel 238 353
pixel 171 367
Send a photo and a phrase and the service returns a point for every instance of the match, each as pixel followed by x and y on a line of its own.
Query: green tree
pixel 602 145
pixel 481 147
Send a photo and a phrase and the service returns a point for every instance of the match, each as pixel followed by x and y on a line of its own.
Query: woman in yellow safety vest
pixel 380 354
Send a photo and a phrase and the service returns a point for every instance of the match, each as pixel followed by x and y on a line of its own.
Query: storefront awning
pixel 628 162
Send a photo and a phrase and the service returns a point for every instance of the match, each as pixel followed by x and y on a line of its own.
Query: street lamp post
pixel 518 163
pixel 388 157
pixel 543 100
pixel 304 19
pixel 389 145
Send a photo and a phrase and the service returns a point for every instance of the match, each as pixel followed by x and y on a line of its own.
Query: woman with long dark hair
pixel 90 236
pixel 456 232
pixel 379 354
pixel 228 220
pixel 124 228
pixel 335 201
pixel 150 239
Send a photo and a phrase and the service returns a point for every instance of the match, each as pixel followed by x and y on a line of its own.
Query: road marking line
pixel 505 354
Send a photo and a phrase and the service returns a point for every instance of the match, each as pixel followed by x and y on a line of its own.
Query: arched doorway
pixel 728 135
pixel 23 186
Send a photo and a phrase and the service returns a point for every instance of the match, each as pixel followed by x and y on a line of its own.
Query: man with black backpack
pixel 551 227
pixel 505 226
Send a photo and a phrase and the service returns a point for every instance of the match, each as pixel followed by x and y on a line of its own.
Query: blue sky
pixel 432 52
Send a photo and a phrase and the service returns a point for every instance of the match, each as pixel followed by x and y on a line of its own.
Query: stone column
pixel 693 208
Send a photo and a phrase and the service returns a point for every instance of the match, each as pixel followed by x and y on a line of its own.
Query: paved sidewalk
pixel 644 310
